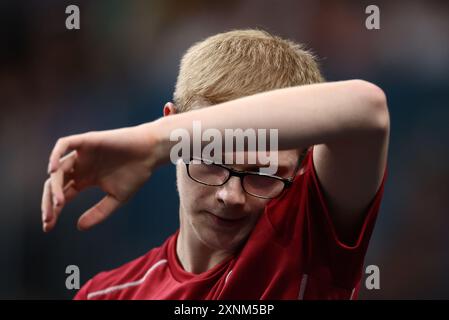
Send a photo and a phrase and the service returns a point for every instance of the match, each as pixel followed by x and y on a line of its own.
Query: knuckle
pixel 60 142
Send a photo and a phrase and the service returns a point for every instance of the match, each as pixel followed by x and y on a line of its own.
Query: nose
pixel 232 193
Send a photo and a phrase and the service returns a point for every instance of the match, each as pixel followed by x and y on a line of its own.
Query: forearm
pixel 304 115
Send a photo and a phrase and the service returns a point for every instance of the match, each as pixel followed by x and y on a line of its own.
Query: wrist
pixel 156 132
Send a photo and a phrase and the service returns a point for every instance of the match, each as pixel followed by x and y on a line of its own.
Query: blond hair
pixel 240 63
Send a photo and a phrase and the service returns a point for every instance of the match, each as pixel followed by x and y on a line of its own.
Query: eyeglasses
pixel 260 185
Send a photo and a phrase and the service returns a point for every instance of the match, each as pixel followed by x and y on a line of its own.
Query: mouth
pixel 226 222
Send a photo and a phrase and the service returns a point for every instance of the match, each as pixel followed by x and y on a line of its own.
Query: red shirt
pixel 292 253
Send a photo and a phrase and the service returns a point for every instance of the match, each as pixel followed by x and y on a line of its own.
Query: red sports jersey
pixel 292 253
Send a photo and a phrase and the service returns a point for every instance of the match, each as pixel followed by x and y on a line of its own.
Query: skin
pixel 347 122
pixel 203 243
pixel 201 238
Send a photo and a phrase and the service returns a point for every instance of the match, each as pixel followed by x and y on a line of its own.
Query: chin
pixel 225 244
pixel 218 239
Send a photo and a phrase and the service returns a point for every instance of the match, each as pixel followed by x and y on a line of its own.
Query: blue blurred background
pixel 120 68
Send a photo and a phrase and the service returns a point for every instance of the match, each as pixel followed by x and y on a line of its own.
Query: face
pixel 222 217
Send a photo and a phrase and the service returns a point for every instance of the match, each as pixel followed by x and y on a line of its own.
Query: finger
pixel 46 206
pixel 69 193
pixel 53 217
pixel 98 213
pixel 57 179
pixel 61 147
pixel 68 162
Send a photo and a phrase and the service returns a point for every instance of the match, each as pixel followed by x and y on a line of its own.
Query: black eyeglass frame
pixel 242 174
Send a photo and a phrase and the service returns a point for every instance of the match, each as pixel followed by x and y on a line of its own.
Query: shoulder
pixel 129 272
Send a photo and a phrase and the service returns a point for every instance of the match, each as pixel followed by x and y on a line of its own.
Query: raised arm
pixel 347 120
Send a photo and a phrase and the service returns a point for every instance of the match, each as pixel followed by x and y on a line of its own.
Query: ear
pixel 169 109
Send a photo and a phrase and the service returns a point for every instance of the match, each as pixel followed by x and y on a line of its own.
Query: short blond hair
pixel 240 63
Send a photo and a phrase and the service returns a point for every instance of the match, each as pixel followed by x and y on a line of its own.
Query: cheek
pixel 258 204
pixel 191 193
pixel 256 211
pixel 256 208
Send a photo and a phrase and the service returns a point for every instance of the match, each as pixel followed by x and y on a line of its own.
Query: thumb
pixel 98 213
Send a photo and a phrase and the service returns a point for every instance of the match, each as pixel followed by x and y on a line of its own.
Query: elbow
pixel 375 101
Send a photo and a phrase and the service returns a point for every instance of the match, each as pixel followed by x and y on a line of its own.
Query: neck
pixel 195 256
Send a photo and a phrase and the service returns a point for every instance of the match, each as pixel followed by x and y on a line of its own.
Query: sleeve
pixel 334 267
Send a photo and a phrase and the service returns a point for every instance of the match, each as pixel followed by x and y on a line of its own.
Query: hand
pixel 118 161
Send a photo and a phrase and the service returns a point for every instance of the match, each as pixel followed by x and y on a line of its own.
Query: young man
pixel 302 234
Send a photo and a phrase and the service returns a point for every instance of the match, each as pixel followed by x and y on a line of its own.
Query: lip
pixel 226 222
